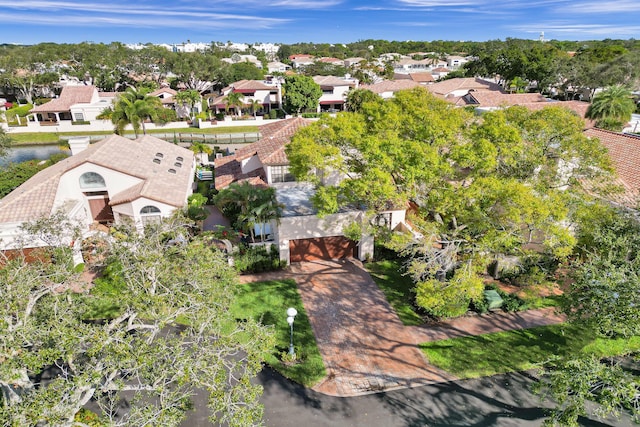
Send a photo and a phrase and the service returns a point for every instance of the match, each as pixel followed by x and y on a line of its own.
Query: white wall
pixel 251 164
pixel 311 226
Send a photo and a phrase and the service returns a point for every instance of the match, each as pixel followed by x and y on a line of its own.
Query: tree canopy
pixel 604 297
pixel 155 328
pixel 300 93
pixel 484 186
pixel 133 107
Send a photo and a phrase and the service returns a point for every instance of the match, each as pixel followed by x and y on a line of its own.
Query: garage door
pixel 336 247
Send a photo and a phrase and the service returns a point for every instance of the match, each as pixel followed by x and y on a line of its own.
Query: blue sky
pixel 330 21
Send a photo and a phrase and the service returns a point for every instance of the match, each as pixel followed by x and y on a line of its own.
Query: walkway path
pixel 363 343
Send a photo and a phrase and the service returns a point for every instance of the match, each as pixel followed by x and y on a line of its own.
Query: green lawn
pixel 53 137
pixel 490 354
pixel 268 302
pixel 397 288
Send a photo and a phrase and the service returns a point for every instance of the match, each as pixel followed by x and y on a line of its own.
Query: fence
pixel 190 138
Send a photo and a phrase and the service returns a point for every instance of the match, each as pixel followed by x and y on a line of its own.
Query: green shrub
pixel 258 259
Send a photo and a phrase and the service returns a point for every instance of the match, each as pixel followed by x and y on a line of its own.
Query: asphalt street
pixel 501 401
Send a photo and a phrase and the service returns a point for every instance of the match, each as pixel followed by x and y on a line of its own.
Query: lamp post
pixel 291 314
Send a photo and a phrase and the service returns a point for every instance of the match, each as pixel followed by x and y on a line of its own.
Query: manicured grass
pixel 53 137
pixel 268 303
pixel 490 354
pixel 397 288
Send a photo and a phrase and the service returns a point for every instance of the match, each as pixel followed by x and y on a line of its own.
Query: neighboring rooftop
pixel 624 151
pixel 69 96
pixel 35 197
pixel 269 149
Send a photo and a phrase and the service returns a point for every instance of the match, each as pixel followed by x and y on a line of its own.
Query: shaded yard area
pixel 489 354
pixel 399 291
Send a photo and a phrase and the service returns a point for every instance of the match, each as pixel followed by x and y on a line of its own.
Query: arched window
pixel 92 180
pixel 149 215
pixel 149 210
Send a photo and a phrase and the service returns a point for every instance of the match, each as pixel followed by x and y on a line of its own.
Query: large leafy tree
pixel 603 297
pixel 485 186
pixel 168 332
pixel 301 93
pixel 197 71
pixel 612 108
pixel 133 107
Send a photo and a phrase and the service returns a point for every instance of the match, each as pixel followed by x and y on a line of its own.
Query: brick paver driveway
pixel 363 343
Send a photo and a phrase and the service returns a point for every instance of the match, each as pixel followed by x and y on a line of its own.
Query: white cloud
pixel 578 30
pixel 615 6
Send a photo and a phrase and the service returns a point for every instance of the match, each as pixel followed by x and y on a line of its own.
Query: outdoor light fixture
pixel 291 315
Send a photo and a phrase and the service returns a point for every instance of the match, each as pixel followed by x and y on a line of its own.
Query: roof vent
pixel 177 164
pixel 159 155
pixel 180 159
pixel 172 171
pixel 157 160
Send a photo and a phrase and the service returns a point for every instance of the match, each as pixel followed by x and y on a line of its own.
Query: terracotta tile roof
pixel 624 151
pixel 491 98
pixel 270 149
pixel 69 96
pixel 251 85
pixel 36 196
pixel 391 86
pixel 332 81
pixel 467 83
pixel 163 90
pixel 579 107
pixel 421 77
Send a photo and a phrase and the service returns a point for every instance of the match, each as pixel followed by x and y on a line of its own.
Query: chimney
pixel 78 144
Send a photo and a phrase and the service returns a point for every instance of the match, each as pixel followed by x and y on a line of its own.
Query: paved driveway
pixel 363 343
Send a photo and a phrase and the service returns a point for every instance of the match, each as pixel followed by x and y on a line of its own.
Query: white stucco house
pixel 75 104
pixel 334 91
pixel 109 182
pixel 301 235
pixel 267 93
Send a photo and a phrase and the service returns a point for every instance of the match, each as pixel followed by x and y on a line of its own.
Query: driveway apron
pixel 363 343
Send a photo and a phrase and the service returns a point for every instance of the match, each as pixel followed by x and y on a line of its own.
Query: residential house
pixel 489 99
pixel 300 234
pixel 440 72
pixel 112 181
pixel 237 58
pixel 422 78
pixel 334 91
pixel 387 88
pixel 408 65
pixel 353 62
pixel 454 61
pixel 624 152
pixel 277 66
pixel 75 104
pixel 458 87
pixel 267 93
pixel 301 60
pixel 333 61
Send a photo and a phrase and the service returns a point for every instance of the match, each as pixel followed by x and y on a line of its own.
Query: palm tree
pixel 247 206
pixel 132 107
pixel 612 108
pixel 189 98
pixel 255 105
pixel 201 147
pixel 234 100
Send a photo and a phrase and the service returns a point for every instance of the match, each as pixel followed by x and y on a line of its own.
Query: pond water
pixel 24 153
